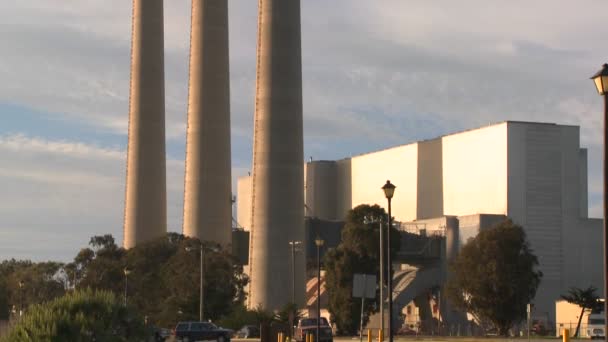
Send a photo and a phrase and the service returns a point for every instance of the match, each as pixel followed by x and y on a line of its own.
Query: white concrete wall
pixel 516 174
pixel 566 317
pixel 243 202
pixel 371 171
pixel 344 198
pixel 544 196
pixel 536 157
pixel 583 183
pixel 429 199
pixel 536 174
pixel 320 183
pixel 571 176
pixel 475 171
pixel 583 254
pixel 470 225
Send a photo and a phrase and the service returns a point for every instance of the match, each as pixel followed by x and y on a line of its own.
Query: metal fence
pixel 571 326
pixel 5 327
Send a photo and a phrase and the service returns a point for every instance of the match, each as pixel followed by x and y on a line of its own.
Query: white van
pixel 596 325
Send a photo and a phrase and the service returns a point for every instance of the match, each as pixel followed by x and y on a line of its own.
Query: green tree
pixel 289 310
pixel 223 284
pixel 238 317
pixel 358 252
pixel 25 283
pixel 4 305
pixel 163 282
pixel 494 276
pixel 81 316
pixel 102 265
pixel 587 299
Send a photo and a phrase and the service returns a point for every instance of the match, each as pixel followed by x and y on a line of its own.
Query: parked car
pixel 248 331
pixel 161 334
pixel 195 331
pixel 309 326
pixel 407 330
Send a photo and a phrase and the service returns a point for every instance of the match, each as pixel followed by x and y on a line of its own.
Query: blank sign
pixel 364 285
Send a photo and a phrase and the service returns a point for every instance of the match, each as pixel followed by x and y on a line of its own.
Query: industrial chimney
pixel 278 157
pixel 207 188
pixel 146 194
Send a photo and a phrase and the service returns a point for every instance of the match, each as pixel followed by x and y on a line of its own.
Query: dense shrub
pixel 81 316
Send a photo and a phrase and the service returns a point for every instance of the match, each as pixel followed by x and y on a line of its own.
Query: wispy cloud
pixel 58 193
pixel 375 74
pixel 23 144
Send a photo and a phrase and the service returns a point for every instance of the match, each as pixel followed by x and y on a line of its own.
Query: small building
pixel 566 317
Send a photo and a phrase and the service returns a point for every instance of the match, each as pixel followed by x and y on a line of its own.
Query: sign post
pixel 529 312
pixel 364 286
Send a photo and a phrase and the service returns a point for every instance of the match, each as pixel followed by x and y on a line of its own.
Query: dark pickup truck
pixel 309 326
pixel 196 331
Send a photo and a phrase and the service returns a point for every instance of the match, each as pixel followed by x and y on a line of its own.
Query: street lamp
pixel 126 271
pixel 319 242
pixel 202 248
pixel 601 83
pixel 21 284
pixel 389 190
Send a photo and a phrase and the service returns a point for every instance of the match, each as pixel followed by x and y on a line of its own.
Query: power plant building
pixel 533 173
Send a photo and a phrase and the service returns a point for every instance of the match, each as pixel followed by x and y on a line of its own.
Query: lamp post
pixel 319 242
pixel 126 271
pixel 293 245
pixel 382 269
pixel 389 190
pixel 201 300
pixel 21 284
pixel 373 220
pixel 202 280
pixel 601 83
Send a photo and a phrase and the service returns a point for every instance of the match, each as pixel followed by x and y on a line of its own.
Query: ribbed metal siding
pixel 544 197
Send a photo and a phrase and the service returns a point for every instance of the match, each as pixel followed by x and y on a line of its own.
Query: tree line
pixel 163 279
pixel 494 276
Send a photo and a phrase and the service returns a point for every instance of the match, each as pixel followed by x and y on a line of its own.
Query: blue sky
pixel 375 74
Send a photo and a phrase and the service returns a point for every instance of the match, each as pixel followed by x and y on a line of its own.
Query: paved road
pixel 440 339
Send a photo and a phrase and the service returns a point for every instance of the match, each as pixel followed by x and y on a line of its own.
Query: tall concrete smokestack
pixel 278 179
pixel 146 193
pixel 207 193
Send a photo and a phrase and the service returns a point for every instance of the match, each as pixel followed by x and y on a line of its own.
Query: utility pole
pixel 201 296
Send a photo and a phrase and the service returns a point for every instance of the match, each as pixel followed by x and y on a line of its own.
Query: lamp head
pixel 389 189
pixel 601 80
pixel 127 271
pixel 319 242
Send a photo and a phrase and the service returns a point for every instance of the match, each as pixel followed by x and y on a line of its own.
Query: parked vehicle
pixel 161 334
pixel 248 331
pixel 309 326
pixel 596 324
pixel 195 331
pixel 407 330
